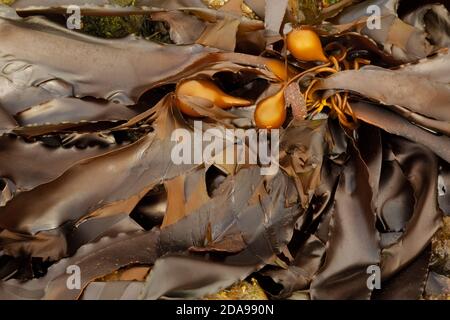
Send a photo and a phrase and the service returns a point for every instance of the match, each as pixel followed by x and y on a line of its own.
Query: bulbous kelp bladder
pixel 305 46
pixel 270 113
pixel 206 89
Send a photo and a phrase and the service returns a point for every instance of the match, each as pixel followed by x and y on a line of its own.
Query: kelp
pixel 7 123
pixel 434 20
pixel 346 250
pixel 73 110
pixel 212 278
pixel 124 54
pixel 434 68
pixel 403 41
pixel 98 83
pixel 27 6
pixel 397 125
pixel 26 164
pixel 57 276
pixel 395 88
pixel 17 97
pixel 150 146
pixel 410 282
pixel 87 176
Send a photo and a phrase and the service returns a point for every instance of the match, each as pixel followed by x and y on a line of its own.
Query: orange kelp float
pixel 305 45
pixel 207 90
pixel 270 112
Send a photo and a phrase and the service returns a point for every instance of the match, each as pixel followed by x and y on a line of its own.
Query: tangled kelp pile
pixel 86 128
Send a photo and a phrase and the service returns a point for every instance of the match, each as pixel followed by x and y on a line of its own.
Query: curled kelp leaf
pixel 349 252
pixel 434 20
pixel 52 245
pixel 233 28
pixel 7 123
pixel 184 28
pixel 93 230
pixel 74 110
pixel 16 97
pixel 28 165
pixel 190 277
pixel 395 201
pixel 300 272
pixel 68 115
pixel 420 166
pixel 369 142
pixel 434 68
pixel 418 94
pixel 274 15
pixel 421 121
pixel 395 124
pixel 361 47
pixel 184 195
pixel 210 230
pixel 221 35
pixel 140 247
